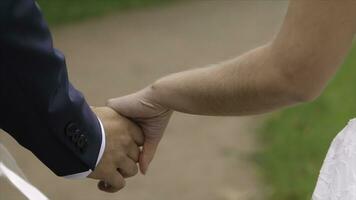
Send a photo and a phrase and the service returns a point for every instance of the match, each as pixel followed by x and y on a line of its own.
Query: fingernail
pixel 145 171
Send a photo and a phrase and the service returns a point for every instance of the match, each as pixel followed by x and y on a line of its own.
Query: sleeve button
pixel 71 129
pixel 76 135
pixel 82 143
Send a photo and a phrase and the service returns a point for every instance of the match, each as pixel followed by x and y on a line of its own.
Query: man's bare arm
pixel 294 67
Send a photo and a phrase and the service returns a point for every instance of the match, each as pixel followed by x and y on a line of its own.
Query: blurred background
pixel 115 47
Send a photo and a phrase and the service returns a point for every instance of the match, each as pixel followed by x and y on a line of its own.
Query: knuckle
pixel 141 140
pixel 133 127
pixel 130 172
pixel 121 185
pixel 125 140
pixel 138 131
pixel 121 157
pixel 136 155
pixel 133 171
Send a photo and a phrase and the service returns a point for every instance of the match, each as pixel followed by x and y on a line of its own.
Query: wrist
pixel 172 92
pixel 155 95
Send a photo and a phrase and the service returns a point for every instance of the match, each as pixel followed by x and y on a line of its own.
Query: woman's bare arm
pixel 294 67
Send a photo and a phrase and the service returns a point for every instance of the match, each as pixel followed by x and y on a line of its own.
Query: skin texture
pixel 150 116
pixel 121 153
pixel 294 67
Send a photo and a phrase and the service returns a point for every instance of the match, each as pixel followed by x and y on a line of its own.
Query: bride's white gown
pixel 337 179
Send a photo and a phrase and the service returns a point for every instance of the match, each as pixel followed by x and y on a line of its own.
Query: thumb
pixel 147 154
pixel 113 182
pixel 124 105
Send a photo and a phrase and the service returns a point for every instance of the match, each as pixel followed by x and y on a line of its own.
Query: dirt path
pixel 200 157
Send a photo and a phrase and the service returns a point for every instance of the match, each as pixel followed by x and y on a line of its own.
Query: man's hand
pixel 121 154
pixel 147 113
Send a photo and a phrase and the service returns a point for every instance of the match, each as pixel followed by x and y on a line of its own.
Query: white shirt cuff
pixel 101 152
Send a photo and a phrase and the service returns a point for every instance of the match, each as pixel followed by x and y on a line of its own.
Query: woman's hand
pixel 149 115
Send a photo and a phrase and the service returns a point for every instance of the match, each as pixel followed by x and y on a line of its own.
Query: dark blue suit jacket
pixel 38 105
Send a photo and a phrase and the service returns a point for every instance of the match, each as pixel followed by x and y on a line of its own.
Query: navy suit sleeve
pixel 38 105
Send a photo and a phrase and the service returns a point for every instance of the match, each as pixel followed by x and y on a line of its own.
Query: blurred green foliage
pixel 297 139
pixel 63 11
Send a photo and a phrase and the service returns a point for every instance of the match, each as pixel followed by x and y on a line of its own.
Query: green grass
pixel 297 139
pixel 64 11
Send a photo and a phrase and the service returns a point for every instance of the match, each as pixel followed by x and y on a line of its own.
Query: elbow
pixel 303 90
pixel 291 94
pixel 302 81
pixel 306 95
pixel 301 87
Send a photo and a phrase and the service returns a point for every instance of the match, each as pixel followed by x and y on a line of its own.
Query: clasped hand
pixel 124 137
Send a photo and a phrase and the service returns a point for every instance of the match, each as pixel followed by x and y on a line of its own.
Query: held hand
pixel 121 153
pixel 147 113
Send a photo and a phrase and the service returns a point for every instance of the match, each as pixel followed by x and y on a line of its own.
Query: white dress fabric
pixel 337 179
pixel 9 171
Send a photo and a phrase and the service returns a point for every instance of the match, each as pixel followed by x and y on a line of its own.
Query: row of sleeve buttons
pixel 76 135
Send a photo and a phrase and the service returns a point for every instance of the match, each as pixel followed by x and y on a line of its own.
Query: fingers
pixel 127 167
pixel 149 150
pixel 113 182
pixel 151 118
pixel 130 148
pixel 136 134
pixel 121 153
pixel 133 152
pixel 131 128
